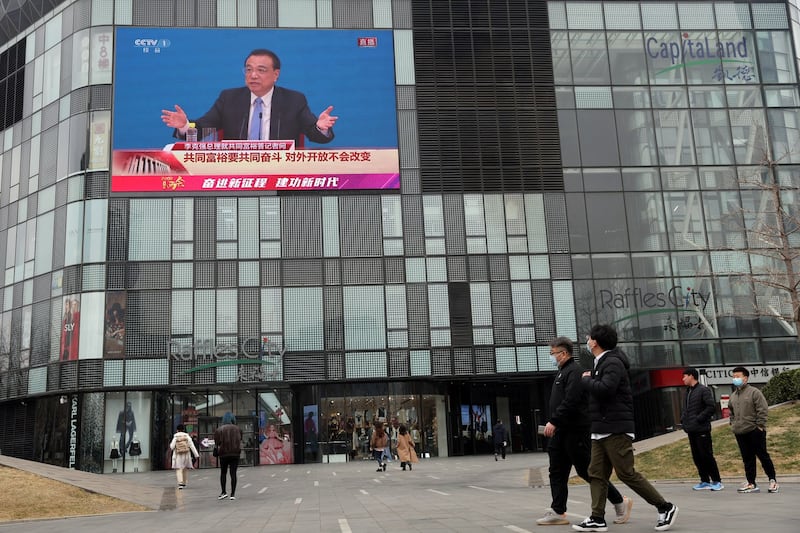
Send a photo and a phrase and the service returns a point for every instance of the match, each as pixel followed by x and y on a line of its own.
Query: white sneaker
pixel 623 510
pixel 552 518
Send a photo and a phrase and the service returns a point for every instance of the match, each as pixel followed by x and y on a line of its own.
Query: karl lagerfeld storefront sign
pixel 636 298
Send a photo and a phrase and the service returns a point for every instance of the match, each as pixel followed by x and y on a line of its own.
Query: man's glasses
pixel 558 352
pixel 258 70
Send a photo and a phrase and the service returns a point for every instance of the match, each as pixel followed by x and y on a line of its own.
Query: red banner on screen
pixel 251 166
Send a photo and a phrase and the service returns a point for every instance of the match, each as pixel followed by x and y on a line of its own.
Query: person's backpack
pixel 182 445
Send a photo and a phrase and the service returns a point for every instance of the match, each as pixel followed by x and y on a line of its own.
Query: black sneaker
pixel 665 520
pixel 591 524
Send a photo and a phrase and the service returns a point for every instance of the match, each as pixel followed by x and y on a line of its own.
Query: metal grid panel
pixel 455 233
pixel 399 364
pixel 352 13
pixel 365 365
pixel 556 217
pixel 117 229
pixel 68 377
pixel 227 274
pixel 154 13
pixel 441 362
pixel 307 366
pixel 484 360
pixel 406 97
pixel 361 224
pixel 148 275
pixel 301 226
pixel 418 324
pixel 185 13
pixel 362 271
pixel 40 333
pixel 302 273
pixel 53 373
pixel 334 326
pixel 112 373
pixel 205 225
pixel 408 139
pixel 204 272
pixel 502 313
pixel 90 373
pixel 94 277
pixel 409 181
pixel 147 372
pixel 249 317
pixel 115 276
pixel 333 272
pixel 100 97
pixel 561 266
pixel 148 322
pixel 71 281
pixel 478 267
pixel 463 363
pixel 413 227
pixel 270 273
pixel 18 383
pixel 37 380
pixel 498 268
pixel 543 312
pixel 420 362
pixel 395 270
pixel 268 13
pixel 79 101
pixel 177 372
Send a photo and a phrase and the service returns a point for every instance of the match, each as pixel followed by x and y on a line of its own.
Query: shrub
pixel 783 387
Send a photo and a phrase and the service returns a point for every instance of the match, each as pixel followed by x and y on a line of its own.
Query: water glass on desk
pixel 210 135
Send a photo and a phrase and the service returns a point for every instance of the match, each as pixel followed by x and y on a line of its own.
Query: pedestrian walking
pixel 749 411
pixel 228 441
pixel 183 454
pixel 378 443
pixel 612 426
pixel 500 436
pixel 569 443
pixel 696 419
pixel 405 448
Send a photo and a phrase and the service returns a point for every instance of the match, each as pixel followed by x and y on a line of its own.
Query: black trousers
pixel 226 463
pixel 500 449
pixel 752 445
pixel 703 456
pixel 568 448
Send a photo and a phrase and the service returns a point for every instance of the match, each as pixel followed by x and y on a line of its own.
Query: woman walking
pixel 183 454
pixel 377 444
pixel 405 448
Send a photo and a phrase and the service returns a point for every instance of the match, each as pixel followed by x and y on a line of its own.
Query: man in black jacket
pixel 696 420
pixel 611 412
pixel 568 431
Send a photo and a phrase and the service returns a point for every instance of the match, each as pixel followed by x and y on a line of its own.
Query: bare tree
pixel 772 228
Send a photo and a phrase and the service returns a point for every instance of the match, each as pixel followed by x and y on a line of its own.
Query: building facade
pixel 502 172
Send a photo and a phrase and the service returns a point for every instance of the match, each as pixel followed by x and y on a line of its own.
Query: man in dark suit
pixel 260 110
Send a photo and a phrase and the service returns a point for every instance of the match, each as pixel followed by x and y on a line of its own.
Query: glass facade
pixel 579 162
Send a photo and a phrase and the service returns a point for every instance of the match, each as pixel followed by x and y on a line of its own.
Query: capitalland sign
pixel 726 59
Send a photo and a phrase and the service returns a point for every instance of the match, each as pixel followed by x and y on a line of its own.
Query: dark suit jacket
pixel 290 116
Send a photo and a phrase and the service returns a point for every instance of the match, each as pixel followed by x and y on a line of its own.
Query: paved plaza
pixel 458 494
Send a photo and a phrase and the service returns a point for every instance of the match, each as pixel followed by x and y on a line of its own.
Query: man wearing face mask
pixel 613 426
pixel 748 409
pixel 568 431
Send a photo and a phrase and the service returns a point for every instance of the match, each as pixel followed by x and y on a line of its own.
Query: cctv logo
pixel 151 43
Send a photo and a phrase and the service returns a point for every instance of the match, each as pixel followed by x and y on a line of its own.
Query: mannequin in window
pixel 126 424
pixel 135 450
pixel 114 454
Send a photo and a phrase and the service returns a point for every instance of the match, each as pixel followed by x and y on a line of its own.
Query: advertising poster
pixel 114 332
pixel 70 327
pixel 327 120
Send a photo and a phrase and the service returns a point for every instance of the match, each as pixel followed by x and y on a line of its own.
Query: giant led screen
pixel 273 110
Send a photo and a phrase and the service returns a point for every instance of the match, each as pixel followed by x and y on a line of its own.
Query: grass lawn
pixel 27 496
pixel 674 461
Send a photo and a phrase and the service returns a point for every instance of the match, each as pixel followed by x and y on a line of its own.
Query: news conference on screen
pixel 158 68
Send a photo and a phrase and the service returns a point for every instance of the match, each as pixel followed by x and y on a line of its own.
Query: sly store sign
pixel 636 298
